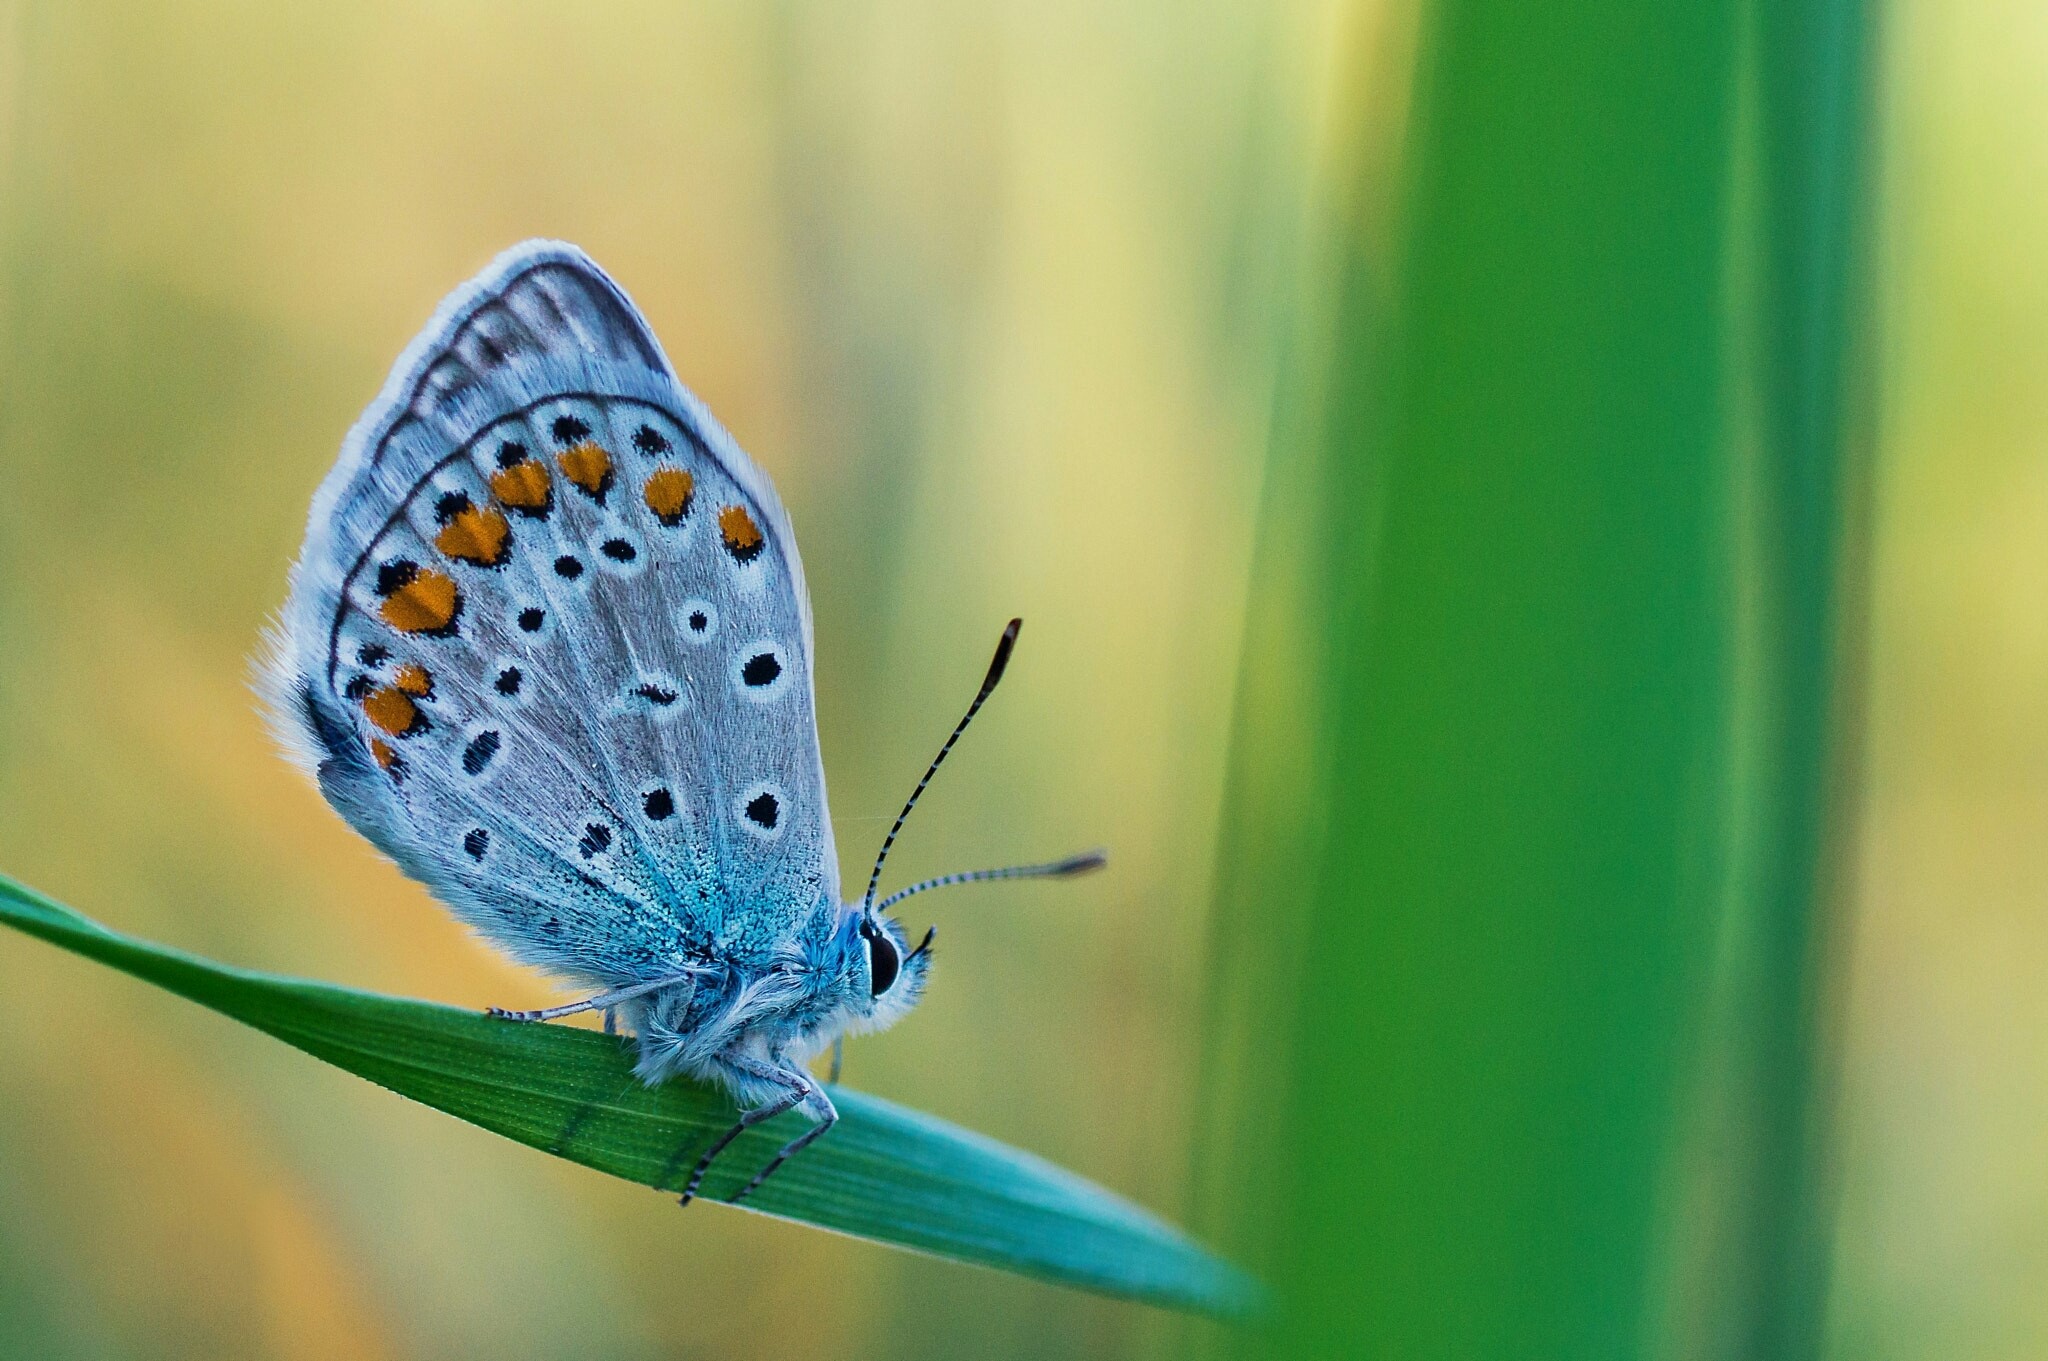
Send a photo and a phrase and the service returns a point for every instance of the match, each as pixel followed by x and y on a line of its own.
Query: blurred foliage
pixel 1001 295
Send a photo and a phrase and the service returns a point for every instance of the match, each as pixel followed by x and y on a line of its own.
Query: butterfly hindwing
pixel 548 644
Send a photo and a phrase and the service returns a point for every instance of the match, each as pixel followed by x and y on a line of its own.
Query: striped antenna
pixel 1058 869
pixel 1004 647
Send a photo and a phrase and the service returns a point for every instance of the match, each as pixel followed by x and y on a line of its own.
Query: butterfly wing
pixel 548 643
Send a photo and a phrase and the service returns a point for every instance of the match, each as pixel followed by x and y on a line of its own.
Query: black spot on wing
pixel 395 576
pixel 479 752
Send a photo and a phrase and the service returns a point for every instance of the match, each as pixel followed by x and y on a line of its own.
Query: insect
pixel 548 647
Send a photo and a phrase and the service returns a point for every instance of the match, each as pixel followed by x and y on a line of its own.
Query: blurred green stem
pixel 1541 702
pixel 1812 62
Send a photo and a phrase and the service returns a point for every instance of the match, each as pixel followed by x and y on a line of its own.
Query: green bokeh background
pixel 1006 299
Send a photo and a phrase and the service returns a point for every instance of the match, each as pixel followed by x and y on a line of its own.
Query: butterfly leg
pixel 838 1053
pixel 793 1147
pixel 604 1001
pixel 799 1088
pixel 544 1014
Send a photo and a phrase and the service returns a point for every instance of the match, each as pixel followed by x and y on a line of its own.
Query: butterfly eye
pixel 883 961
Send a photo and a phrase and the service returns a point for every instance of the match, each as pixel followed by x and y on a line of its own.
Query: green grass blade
pixel 1512 786
pixel 887 1174
pixel 1537 787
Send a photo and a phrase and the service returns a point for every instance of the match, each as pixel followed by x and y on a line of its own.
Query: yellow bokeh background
pixel 997 294
pixel 981 289
pixel 1942 1241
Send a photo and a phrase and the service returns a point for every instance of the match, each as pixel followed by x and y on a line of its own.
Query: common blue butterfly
pixel 548 647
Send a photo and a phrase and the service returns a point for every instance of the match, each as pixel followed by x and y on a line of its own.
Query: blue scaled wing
pixel 548 643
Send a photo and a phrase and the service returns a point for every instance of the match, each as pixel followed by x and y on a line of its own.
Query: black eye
pixel 882 958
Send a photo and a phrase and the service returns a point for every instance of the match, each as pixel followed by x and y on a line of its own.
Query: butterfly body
pixel 548 646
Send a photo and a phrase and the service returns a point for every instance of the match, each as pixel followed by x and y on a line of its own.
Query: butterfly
pixel 548 646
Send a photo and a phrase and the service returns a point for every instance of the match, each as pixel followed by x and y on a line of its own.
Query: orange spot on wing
pixel 414 679
pixel 392 711
pixel 427 603
pixel 524 486
pixel 668 494
pixel 476 535
pixel 742 536
pixel 381 750
pixel 588 465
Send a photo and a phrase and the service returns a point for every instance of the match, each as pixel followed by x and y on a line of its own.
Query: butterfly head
pixel 884 974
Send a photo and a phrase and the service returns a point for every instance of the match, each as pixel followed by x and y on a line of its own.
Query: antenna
pixel 1004 646
pixel 1058 869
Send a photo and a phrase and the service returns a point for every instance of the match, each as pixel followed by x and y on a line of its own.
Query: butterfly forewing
pixel 548 643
